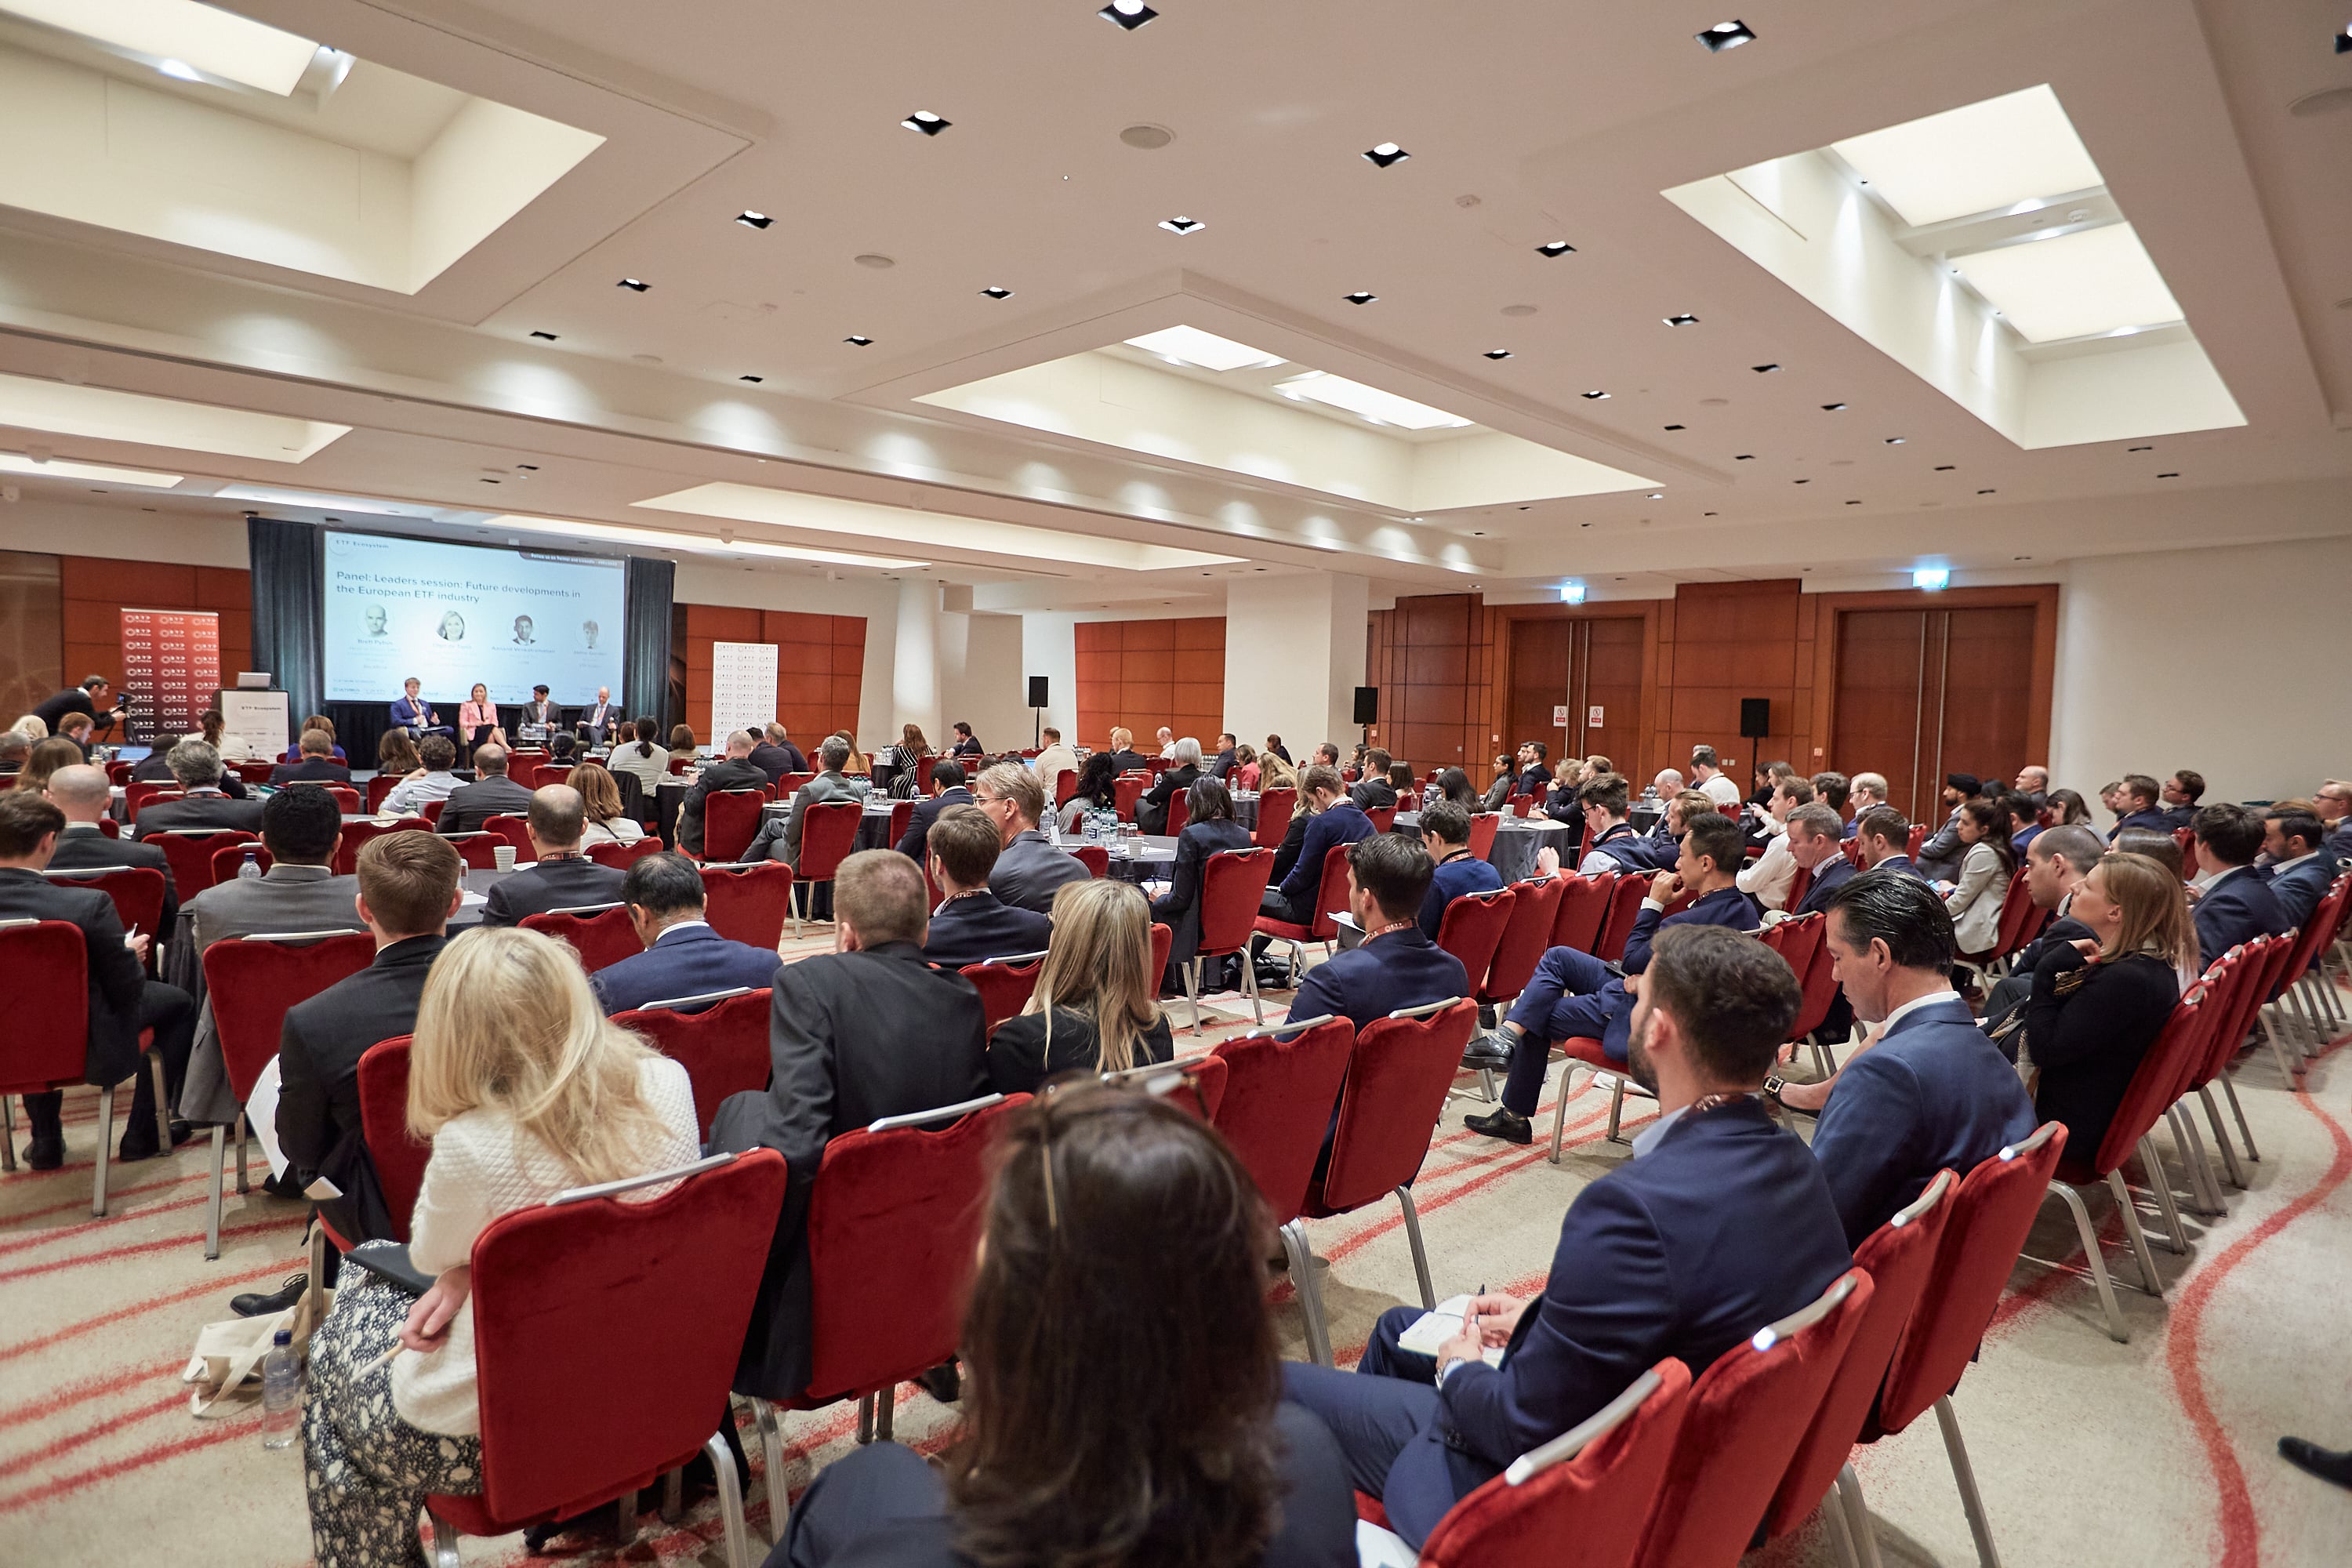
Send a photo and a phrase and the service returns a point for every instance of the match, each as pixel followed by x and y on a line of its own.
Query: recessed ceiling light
pixel 1763 369
pixel 993 292
pixel 1385 154
pixel 1555 248
pixel 527 468
pixel 544 337
pixel 1360 297
pixel 1800 482
pixel 2076 285
pixel 1984 492
pixel 1657 495
pixel 876 260
pixel 1499 353
pixel 1149 138
pixel 1944 468
pixel 1895 441
pixel 749 220
pixel 754 380
pixel 1182 225
pixel 1676 427
pixel 1129 14
pixel 1369 402
pixel 635 285
pixel 1596 395
pixel 1191 345
pixel 1711 514
pixel 1744 457
pixel 1854 503
pixel 860 338
pixel 2344 40
pixel 1833 407
pixel 15 463
pixel 1727 36
pixel 2167 475
pixel 1682 320
pixel 2139 448
pixel 924 121
pixel 1980 158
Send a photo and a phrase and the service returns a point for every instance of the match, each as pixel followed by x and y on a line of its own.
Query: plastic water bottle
pixel 251 868
pixel 281 1392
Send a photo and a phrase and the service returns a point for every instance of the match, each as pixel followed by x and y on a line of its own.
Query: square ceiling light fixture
pixel 1189 345
pixel 1978 158
pixel 2072 285
pixel 202 41
pixel 103 413
pixel 1369 402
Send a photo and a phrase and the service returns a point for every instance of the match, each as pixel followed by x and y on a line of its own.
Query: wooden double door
pixel 1922 693
pixel 1581 664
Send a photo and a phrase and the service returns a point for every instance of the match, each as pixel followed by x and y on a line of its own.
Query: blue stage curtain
pixel 289 561
pixel 645 670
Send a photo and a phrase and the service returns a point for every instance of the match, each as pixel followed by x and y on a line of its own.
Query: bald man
pixel 562 877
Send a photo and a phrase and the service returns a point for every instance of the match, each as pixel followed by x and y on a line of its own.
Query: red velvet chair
pixel 678 761
pixel 894 1217
pixel 1484 826
pixel 1583 908
pixel 1918 837
pixel 569 1425
pixel 399 1158
pixel 1005 983
pixel 1624 907
pixel 1202 1081
pixel 254 771
pixel 378 788
pixel 431 811
pixel 1472 929
pixel 345 796
pixel 790 785
pixel 514 829
pixel 47 1043
pixel 1582 1500
pixel 1744 1417
pixel 250 982
pixel 923 767
pixel 1163 939
pixel 1820 995
pixel 2187 839
pixel 190 851
pixel 479 849
pixel 1232 883
pixel 1992 1214
pixel 136 892
pixel 749 903
pixel 1276 1108
pixel 546 774
pixel 118 773
pixel 1584 1051
pixel 1383 818
pixel 1330 898
pixel 1274 808
pixel 1898 1256
pixel 1799 886
pixel 828 837
pixel 1535 911
pixel 138 792
pixel 1126 790
pixel 902 817
pixel 621 857
pixel 1520 804
pixel 1180 811
pixel 1065 784
pixel 2245 969
pixel 108 826
pixel 1094 857
pixel 723 1047
pixel 600 934
pixel 731 820
pixel 357 834
pixel 1398 1075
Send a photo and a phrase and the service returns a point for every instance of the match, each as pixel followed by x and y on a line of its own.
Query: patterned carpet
pixel 2157 1452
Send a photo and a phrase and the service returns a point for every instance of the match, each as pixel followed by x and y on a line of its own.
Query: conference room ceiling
pixel 1460 208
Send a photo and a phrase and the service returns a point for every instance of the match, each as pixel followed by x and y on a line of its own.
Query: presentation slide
pixel 452 615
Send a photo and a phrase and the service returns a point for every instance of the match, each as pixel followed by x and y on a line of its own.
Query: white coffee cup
pixel 503 855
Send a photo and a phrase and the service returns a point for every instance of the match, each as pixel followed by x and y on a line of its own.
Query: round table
pixel 1517 839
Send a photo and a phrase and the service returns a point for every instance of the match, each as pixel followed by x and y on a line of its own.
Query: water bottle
pixel 250 870
pixel 281 1392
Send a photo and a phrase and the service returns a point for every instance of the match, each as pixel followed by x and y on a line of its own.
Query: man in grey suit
pixel 491 794
pixel 782 840
pixel 197 767
pixel 301 829
pixel 1030 866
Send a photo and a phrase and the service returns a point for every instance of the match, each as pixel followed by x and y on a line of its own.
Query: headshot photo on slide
pixel 522 630
pixel 453 627
pixel 589 630
pixel 375 628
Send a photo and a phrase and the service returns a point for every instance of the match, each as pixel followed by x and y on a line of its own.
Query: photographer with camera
pixel 94 697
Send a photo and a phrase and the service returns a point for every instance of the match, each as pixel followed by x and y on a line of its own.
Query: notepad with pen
pixel 1432 1329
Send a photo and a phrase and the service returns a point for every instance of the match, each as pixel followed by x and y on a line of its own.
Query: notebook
pixel 1432 1329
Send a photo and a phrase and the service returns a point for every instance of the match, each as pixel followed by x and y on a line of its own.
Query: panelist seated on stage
pixel 683 956
pixel 491 794
pixel 413 712
pixel 317 764
pixel 438 753
pixel 539 710
pixel 596 721
pixel 562 877
pixel 478 719
pixel 197 769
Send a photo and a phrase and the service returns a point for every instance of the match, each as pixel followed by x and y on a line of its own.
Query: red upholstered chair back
pixel 1180 811
pixel 1992 1214
pixel 602 939
pixel 2164 1068
pixel 398 1156
pixel 1898 1256
pixel 137 892
pixel 1330 895
pixel 1065 784
pixel 1583 908
pixel 1277 1103
pixel 749 903
pixel 190 851
pixel 1398 1074
pixel 345 796
pixel 1383 818
pixel 902 817
pixel 679 760
pixel 828 835
pixel 1535 910
pixel 380 786
pixel 2237 978
pixel 1126 790
pixel 48 1024
pixel 1274 808
pixel 118 773
pixel 1799 944
pixel 138 792
pixel 1746 1414
pixel 1483 828
pixel 1520 804
pixel 1918 837
pixel 1821 984
pixel 790 785
pixel 2021 921
pixel 549 773
pixel 1582 1500
pixel 1094 857
pixel 923 767
pixel 254 771
pixel 1232 884
pixel 1005 988
pixel 431 811
pixel 731 820
pixel 621 857
pixel 1163 939
pixel 251 982
pixel 1624 905
pixel 479 849
pixel 893 1216
pixel 2187 839
pixel 1852 852
pixel 1799 886
pixel 357 834
pixel 606 1335
pixel 1199 1094
pixel 110 828
pixel 515 830
pixel 1473 927
pixel 724 1048
pixel 2318 928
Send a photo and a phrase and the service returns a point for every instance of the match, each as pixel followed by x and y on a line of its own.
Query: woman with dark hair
pixel 900 762
pixel 1097 791
pixel 1082 1442
pixel 2071 809
pixel 1974 899
pixel 1210 827
pixel 644 757
pixel 315 721
pixel 1454 785
pixel 395 754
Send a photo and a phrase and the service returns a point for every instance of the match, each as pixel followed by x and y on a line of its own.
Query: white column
pixel 915 664
pixel 1294 658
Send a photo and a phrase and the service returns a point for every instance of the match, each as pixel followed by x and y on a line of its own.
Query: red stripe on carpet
pixel 66 1232
pixel 135 1248
pixel 17 1464
pixel 113 1196
pixel 153 1303
pixel 88 1389
pixel 217 1432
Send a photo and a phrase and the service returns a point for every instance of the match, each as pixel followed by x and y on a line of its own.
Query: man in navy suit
pixel 1575 993
pixel 2334 802
pixel 1396 966
pixel 2231 903
pixel 317 764
pixel 972 923
pixel 1885 835
pixel 1814 845
pixel 1611 843
pixel 683 956
pixel 1445 832
pixel 947 777
pixel 1928 1091
pixel 2139 795
pixel 1337 820
pixel 2055 864
pixel 2298 874
pixel 1656 1258
pixel 2183 791
pixel 1865 793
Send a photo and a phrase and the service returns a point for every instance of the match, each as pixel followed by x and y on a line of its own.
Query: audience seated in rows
pixel 1374 792
pixel 491 794
pixel 1975 892
pixel 2134 806
pixel 1030 866
pixel 2233 904
pixel 1209 828
pixel 2296 868
pixel 1611 842
pixel 1815 845
pixel 198 768
pixel 324 725
pixel 603 820
pixel 684 956
pixel 122 1000
pixel 2181 793
pixel 644 756
pixel 2334 802
pixel 1768 880
pixel 971 924
pixel 775 755
pixel 735 771
pixel 1095 1008
pixel 1051 761
pixel 1096 790
pixel 1326 818
pixel 1653 1262
pixel 317 764
pixel 1883 836
pixel 1940 855
pixel 1865 793
pixel 1124 757
pixel 1396 966
pixel 866 1031
pixel 1151 810
pixel 518 1104
pixel 947 783
pixel 1225 759
pixel 1459 870
pixel 2055 864
pixel 81 792
pixel 562 877
pixel 780 839
pixel 1710 780
pixel 437 754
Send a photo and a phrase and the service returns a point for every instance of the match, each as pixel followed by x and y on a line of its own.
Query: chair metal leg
pixel 624 1520
pixel 1420 1255
pixel 673 1504
pixel 1193 991
pixel 212 1199
pixel 1965 1474
pixel 1486 1084
pixel 105 1147
pixel 2230 1088
pixel 1560 1107
pixel 2204 1190
pixel 162 1112
pixel 242 1186
pixel 1840 1529
pixel 1824 1056
pixel 886 1406
pixel 2175 1236
pixel 1848 1493
pixel 730 1504
pixel 2126 1205
pixel 1616 1107
pixel 2228 1155
pixel 864 1420
pixel 1249 984
pixel 772 1447
pixel 2291 1072
pixel 1310 1294
pixel 445 1541
pixel 8 1135
pixel 2090 1238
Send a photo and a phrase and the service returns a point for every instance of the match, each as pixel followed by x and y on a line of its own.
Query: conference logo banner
pixel 171 665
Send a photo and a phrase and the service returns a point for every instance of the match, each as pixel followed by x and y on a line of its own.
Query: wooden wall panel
pixel 820 667
pixel 1144 674
pixel 95 591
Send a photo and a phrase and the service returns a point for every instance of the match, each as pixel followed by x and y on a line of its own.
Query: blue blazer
pixel 1901 864
pixel 2297 889
pixel 687 962
pixel 1933 1093
pixel 2153 819
pixel 1723 907
pixel 982 926
pixel 2239 907
pixel 1653 1262
pixel 1465 873
pixel 918 836
pixel 1344 823
pixel 1828 877
pixel 1402 969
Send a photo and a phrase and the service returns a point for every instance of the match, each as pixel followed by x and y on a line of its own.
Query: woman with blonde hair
pixel 518 1104
pixel 1275 772
pixel 2100 1003
pixel 599 799
pixel 32 726
pixel 1096 1007
pixel 859 762
pixel 47 757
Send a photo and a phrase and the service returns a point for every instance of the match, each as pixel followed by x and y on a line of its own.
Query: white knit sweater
pixel 483 1166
